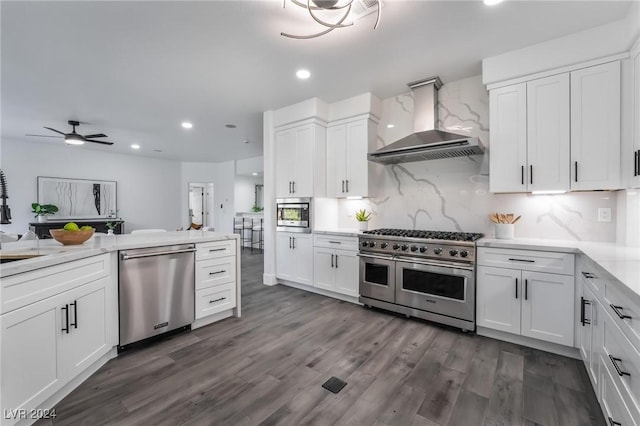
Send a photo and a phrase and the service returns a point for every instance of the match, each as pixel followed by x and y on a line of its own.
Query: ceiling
pixel 136 70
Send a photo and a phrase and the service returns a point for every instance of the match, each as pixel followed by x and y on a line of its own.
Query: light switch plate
pixel 604 214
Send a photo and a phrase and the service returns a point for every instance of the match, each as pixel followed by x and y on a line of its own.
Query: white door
pixel 336 161
pixel 498 295
pixel 595 127
pixel 347 279
pixel 302 162
pixel 547 307
pixel 357 165
pixel 508 126
pixel 548 130
pixel 303 255
pixel 29 355
pixel 324 268
pixel 284 156
pixel 86 341
pixel 285 262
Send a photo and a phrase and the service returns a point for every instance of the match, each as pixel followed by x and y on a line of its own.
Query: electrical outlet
pixel 604 214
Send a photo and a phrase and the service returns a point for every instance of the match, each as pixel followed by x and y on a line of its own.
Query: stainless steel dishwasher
pixel 156 291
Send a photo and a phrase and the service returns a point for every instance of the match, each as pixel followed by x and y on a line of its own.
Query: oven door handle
pixel 436 263
pixel 373 256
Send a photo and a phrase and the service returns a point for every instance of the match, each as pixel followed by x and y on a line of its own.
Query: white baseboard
pixel 201 322
pixel 269 279
pixel 323 292
pixel 554 348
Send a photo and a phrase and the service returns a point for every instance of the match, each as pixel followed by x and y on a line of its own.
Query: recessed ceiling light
pixel 303 74
pixel 230 126
pixel 254 173
pixel 135 146
pixel 187 125
pixel 390 126
pixel 492 2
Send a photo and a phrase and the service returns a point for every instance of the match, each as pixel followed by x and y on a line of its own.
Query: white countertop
pixel 622 263
pixel 52 252
pixel 338 231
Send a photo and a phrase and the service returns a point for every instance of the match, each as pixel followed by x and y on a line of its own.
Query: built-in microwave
pixel 293 215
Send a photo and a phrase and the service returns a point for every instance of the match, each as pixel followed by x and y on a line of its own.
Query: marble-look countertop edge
pixel 341 232
pixel 105 244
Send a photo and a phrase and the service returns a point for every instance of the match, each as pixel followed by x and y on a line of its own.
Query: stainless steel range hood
pixel 427 143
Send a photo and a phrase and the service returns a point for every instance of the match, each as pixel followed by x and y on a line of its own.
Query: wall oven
pixel 293 215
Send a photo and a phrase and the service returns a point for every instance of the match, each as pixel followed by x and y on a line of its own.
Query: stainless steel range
pixel 425 274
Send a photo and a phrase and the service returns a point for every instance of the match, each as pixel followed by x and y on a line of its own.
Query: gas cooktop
pixel 426 235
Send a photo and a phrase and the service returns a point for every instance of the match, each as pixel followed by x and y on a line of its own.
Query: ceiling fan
pixel 74 138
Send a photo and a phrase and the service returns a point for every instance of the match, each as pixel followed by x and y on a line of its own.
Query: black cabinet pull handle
pixel 522 175
pixel 335 242
pixel 293 185
pixel 614 423
pixel 576 170
pixel 332 261
pixel 75 313
pixel 526 289
pixel 219 249
pixel 522 260
pixel 617 310
pixel 583 319
pixel 290 242
pixel 217 272
pixel 531 174
pixel 516 288
pixel 347 185
pixel 336 260
pixel 615 362
pixel 342 186
pixel 217 300
pixel 66 316
pixel 588 275
pixel 293 242
pixel 636 163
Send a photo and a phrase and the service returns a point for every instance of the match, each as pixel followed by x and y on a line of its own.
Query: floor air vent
pixel 334 384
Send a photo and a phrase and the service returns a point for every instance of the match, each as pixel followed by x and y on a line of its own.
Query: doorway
pixel 201 204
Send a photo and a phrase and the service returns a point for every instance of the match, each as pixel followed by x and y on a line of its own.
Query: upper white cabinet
pixel 347 166
pixel 560 132
pixel 595 127
pixel 295 153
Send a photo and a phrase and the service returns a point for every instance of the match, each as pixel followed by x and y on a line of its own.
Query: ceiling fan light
pixel 73 140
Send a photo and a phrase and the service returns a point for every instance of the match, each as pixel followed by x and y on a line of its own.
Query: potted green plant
pixel 256 208
pixel 42 210
pixel 363 216
pixel 110 227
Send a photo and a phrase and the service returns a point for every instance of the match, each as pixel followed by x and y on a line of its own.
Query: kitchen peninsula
pixel 59 315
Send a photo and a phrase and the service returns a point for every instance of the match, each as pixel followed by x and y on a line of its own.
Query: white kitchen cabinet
pixel 548 131
pixel 595 127
pixel 336 270
pixel 590 334
pixel 634 156
pixel 294 158
pixel 294 257
pixel 520 299
pixel 348 170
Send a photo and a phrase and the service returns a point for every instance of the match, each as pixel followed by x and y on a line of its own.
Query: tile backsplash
pixel 453 194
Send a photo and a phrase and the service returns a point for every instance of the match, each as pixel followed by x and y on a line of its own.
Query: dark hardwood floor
pixel 268 367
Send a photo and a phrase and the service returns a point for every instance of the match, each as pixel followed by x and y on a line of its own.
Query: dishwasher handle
pixel 159 253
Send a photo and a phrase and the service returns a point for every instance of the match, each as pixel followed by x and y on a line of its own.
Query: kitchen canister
pixel 504 231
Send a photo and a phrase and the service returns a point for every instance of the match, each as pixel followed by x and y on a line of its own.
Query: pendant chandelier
pixel 341 9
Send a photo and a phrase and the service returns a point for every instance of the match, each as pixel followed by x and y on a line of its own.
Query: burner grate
pixel 427 235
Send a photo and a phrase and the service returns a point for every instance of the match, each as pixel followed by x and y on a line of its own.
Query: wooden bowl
pixel 70 238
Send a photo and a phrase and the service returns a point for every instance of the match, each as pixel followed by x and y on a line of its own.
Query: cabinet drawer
pixel 620 308
pixel 615 410
pixel 621 357
pixel 527 260
pixel 215 272
pixel 23 289
pixel 336 242
pixel 215 249
pixel 591 275
pixel 212 300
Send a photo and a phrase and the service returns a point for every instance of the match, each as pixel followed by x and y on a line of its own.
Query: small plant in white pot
pixel 42 210
pixel 362 216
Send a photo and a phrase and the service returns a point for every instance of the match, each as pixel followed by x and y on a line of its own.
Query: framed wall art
pixel 78 198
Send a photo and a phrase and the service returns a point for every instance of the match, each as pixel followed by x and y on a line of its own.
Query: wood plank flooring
pixel 267 368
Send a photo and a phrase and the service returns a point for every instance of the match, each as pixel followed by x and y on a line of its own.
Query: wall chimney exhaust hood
pixel 426 143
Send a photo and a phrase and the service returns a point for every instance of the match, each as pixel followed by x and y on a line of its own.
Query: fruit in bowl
pixel 72 234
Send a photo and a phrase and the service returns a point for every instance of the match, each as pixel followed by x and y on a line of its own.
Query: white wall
pixel 245 192
pixel 147 188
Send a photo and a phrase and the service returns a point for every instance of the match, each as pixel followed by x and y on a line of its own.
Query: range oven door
pixel 377 277
pixel 442 289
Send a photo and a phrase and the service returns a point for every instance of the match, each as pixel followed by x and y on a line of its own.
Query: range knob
pixel 384 245
pixel 405 247
pixel 365 244
pixel 414 248
pixel 423 249
pixel 396 246
pixel 372 244
pixel 464 253
pixel 437 250
pixel 453 252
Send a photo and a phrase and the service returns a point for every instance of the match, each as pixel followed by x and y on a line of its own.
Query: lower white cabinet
pixel 497 304
pixel 615 410
pixel 336 270
pixel 294 257
pixel 216 280
pixel 590 334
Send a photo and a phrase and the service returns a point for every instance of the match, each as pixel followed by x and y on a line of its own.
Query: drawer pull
pixel 335 242
pixel 614 423
pixel 217 272
pixel 526 289
pixel 617 310
pixel 588 275
pixel 217 300
pixel 583 319
pixel 522 260
pixel 218 249
pixel 516 288
pixel 615 362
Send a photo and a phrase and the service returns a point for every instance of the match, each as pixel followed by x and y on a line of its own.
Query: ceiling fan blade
pixel 97 135
pixel 45 136
pixel 54 130
pixel 102 142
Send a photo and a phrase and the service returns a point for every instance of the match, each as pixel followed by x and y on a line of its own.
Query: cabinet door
pixel 29 354
pixel 357 165
pixel 347 279
pixel 595 127
pixel 498 295
pixel 547 307
pixel 508 159
pixel 548 133
pixel 284 156
pixel 303 255
pixel 285 262
pixel 324 268
pixel 635 155
pixel 588 339
pixel 336 161
pixel 302 162
pixel 86 341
